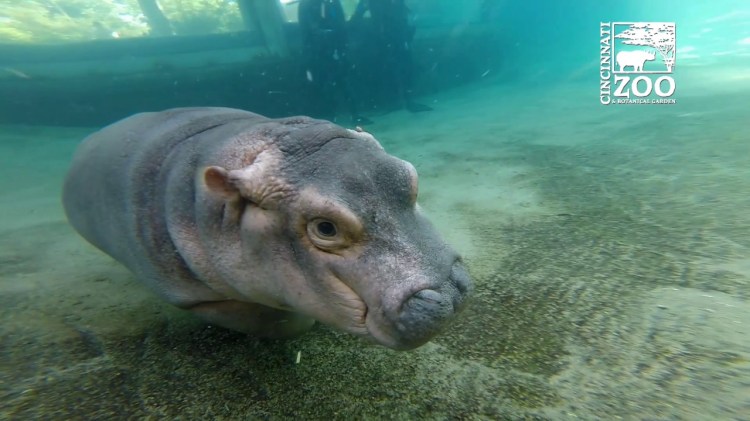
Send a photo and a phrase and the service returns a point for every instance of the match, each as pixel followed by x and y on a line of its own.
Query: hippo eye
pixel 325 235
pixel 326 229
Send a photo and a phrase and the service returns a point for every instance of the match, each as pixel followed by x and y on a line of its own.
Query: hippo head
pixel 331 229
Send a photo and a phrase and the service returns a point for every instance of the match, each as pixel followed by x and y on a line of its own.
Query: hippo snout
pixel 460 278
pixel 425 312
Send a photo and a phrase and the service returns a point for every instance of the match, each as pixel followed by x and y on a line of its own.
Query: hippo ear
pixel 217 180
pixel 227 198
pixel 235 184
pixel 259 187
pixel 258 183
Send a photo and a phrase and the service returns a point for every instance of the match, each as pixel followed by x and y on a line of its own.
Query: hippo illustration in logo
pixel 635 58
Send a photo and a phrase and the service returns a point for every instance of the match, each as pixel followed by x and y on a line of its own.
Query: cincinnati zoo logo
pixel 636 62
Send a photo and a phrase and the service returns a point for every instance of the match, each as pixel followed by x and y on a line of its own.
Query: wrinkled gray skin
pixel 264 225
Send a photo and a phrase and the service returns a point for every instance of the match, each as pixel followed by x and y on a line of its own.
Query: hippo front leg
pixel 254 319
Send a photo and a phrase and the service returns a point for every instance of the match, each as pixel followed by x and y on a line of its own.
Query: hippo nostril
pixel 424 313
pixel 429 295
pixel 460 277
pixel 426 308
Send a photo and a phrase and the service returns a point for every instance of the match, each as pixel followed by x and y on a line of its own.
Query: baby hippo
pixel 266 225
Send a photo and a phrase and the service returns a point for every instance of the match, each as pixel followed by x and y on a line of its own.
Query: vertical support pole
pixel 266 17
pixel 158 23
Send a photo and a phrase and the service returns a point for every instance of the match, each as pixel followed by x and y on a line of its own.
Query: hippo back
pixel 122 167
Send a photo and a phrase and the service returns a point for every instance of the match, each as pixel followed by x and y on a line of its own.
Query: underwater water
pixel 609 244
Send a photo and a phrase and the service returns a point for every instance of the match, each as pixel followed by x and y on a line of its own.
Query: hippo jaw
pixel 401 308
pixel 415 317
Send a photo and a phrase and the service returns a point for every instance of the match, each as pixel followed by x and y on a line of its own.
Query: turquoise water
pixel 610 245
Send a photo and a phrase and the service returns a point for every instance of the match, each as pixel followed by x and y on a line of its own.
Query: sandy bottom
pixel 610 247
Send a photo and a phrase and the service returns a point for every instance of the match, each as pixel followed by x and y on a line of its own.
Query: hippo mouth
pixel 353 313
pixel 413 325
pixel 357 317
pixel 422 312
pixel 399 318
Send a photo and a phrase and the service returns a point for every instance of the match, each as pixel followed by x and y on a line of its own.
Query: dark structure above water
pixel 94 83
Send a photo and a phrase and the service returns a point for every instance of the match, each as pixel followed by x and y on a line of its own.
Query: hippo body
pixel 265 225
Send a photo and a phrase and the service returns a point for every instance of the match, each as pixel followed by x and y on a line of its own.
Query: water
pixel 609 244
